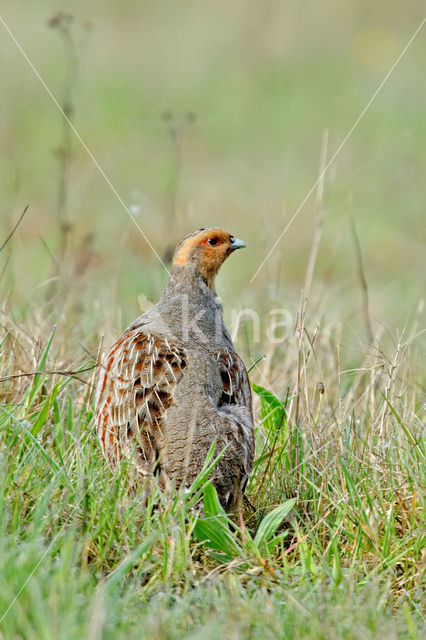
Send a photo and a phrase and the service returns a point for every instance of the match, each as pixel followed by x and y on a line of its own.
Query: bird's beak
pixel 237 244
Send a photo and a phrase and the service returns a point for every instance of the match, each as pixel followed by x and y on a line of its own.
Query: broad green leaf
pixel 272 408
pixel 214 533
pixel 213 530
pixel 193 495
pixel 268 397
pixel 272 521
pixel 212 506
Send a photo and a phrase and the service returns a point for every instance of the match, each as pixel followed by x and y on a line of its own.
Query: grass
pixel 334 538
pixel 333 545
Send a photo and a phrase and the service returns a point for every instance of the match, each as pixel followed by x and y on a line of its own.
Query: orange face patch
pixel 216 239
pixel 207 249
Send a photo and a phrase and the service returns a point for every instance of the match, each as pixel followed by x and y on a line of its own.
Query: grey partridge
pixel 173 383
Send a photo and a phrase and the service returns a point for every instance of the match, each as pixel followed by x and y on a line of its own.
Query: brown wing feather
pixel 235 381
pixel 236 388
pixel 135 388
pixel 236 392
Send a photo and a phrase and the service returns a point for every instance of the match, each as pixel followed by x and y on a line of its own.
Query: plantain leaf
pixel 215 534
pixel 213 530
pixel 211 504
pixel 272 409
pixel 272 521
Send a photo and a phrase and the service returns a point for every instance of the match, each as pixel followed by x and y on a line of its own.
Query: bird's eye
pixel 213 241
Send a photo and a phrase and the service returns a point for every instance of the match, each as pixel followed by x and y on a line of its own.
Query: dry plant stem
pixel 363 283
pixel 319 215
pixel 58 372
pixel 300 333
pixel 93 380
pixel 392 373
pixel 176 128
pixel 14 228
pixel 64 150
pixel 305 293
pixel 4 268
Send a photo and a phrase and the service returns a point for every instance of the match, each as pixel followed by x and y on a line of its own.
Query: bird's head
pixel 206 250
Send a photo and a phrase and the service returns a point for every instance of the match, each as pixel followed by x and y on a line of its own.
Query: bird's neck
pixel 190 306
pixel 189 281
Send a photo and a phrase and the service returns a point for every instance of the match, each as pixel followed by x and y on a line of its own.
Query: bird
pixel 172 386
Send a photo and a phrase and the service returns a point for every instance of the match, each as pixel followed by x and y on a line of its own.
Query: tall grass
pixel 332 544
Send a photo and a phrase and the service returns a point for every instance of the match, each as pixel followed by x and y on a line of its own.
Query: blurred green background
pixel 206 113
